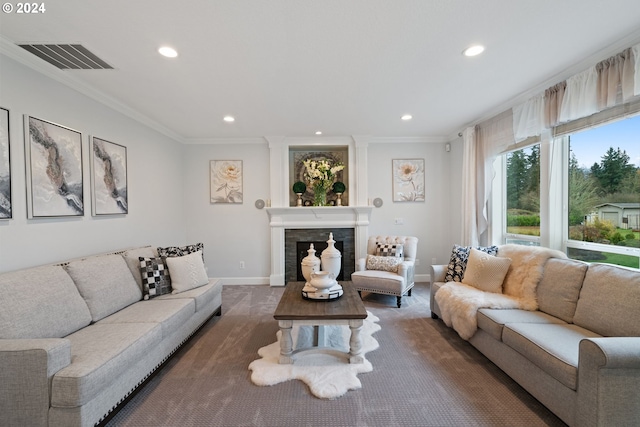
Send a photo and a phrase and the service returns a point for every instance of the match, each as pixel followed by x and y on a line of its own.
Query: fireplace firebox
pixel 297 243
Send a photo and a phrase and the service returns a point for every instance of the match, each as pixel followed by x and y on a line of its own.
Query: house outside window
pixel 603 224
pixel 588 192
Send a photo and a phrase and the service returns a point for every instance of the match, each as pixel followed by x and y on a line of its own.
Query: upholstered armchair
pixel 389 267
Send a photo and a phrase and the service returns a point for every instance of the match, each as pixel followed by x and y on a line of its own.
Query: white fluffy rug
pixel 328 375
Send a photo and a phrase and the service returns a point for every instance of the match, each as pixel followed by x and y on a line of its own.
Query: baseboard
pixel 244 280
pixel 420 278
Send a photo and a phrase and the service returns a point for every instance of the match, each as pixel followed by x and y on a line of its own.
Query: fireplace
pixel 313 224
pixel 296 245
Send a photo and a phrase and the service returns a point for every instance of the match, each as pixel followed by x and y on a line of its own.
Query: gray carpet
pixel 423 375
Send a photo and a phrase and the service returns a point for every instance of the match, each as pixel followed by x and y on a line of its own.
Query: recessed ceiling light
pixel 229 119
pixel 318 132
pixel 473 50
pixel 407 117
pixel 167 51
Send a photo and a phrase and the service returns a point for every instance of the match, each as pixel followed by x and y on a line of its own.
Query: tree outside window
pixel 604 198
pixel 523 191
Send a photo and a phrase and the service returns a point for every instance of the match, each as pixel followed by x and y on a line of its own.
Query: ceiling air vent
pixel 67 56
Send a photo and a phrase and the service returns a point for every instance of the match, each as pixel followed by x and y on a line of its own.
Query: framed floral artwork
pixel 108 178
pixel 54 169
pixel 408 180
pixel 225 180
pixel 5 166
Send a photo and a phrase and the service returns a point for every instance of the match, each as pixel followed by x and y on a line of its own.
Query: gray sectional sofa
pixel 76 339
pixel 579 352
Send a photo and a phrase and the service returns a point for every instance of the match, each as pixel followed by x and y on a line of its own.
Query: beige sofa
pixel 76 339
pixel 579 352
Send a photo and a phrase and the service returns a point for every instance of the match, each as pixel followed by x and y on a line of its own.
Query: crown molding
pixel 224 141
pixel 408 140
pixel 15 52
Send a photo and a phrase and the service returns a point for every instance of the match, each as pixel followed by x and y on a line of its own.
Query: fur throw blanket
pixel 459 303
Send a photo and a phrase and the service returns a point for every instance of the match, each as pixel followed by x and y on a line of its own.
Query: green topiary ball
pixel 339 187
pixel 299 187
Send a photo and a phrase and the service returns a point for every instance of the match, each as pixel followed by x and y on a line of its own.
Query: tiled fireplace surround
pixel 350 224
pixel 293 255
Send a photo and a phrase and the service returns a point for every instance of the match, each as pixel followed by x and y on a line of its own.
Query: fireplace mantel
pixel 281 218
pixel 319 217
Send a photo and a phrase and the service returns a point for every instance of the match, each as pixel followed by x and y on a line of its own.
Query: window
pixel 604 193
pixel 578 192
pixel 523 194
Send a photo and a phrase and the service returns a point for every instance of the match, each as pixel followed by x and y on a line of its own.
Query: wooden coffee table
pixel 295 310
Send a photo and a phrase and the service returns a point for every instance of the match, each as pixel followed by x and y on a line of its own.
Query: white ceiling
pixel 345 67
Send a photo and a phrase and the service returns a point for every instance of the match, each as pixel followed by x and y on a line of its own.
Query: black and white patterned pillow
pixel 396 250
pixel 173 251
pixel 458 262
pixel 155 277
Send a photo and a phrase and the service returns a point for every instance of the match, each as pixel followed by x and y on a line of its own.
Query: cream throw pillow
pixel 187 272
pixel 485 272
pixel 383 263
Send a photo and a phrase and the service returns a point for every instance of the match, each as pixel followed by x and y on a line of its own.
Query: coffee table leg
pixel 286 342
pixel 355 342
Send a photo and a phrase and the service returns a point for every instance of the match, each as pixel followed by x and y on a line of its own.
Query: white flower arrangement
pixel 321 173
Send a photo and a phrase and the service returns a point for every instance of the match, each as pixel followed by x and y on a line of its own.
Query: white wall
pixel 430 221
pixel 156 203
pixel 231 233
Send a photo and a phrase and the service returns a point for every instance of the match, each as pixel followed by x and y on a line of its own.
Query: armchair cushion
pixel 383 263
pixel 384 282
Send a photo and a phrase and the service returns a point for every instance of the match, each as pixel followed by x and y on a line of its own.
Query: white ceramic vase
pixel 310 264
pixel 331 258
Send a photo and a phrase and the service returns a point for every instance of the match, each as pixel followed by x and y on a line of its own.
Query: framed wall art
pixel 6 211
pixel 54 169
pixel 108 178
pixel 225 180
pixel 408 180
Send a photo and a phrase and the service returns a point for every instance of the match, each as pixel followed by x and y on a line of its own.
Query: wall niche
pixel 335 154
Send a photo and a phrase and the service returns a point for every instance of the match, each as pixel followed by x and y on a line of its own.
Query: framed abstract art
pixel 408 180
pixel 6 211
pixel 53 169
pixel 108 178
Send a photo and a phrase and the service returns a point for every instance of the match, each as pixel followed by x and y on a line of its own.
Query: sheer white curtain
pixel 469 229
pixel 636 77
pixel 580 96
pixel 528 118
pixel 481 146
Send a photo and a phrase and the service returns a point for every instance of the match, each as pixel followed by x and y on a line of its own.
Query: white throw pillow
pixel 187 272
pixel 485 272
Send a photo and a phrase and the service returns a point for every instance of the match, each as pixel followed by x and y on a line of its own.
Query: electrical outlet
pixel 241 265
pixel 433 261
pixel 417 262
pixel 398 221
